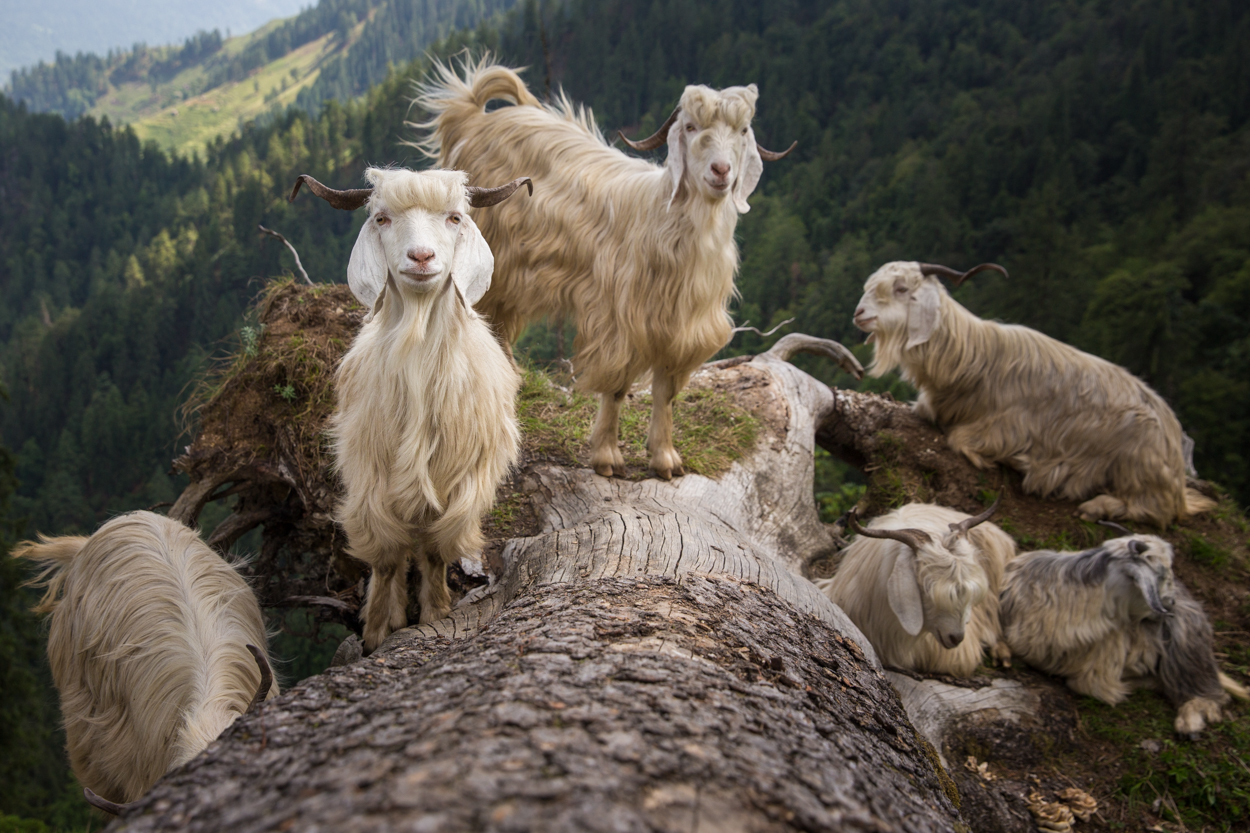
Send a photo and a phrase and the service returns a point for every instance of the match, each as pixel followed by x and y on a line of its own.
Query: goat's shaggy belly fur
pixel 1075 425
pixel 147 643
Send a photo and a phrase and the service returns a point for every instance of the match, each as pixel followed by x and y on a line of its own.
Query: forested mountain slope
pixel 1099 150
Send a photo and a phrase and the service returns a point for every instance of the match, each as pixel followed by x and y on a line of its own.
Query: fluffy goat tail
pixel 1233 687
pixel 452 97
pixel 1196 501
pixel 53 555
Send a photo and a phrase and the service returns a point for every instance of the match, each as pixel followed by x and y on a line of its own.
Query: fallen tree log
pixel 648 658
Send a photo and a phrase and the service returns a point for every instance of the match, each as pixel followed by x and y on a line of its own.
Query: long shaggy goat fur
pixel 147 641
pixel 637 254
pixel 1075 425
pixel 959 577
pixel 425 428
pixel 1112 618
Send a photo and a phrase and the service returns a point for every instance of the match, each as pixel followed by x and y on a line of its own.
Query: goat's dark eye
pixel 454 219
pixel 690 128
pixel 382 219
pixel 744 131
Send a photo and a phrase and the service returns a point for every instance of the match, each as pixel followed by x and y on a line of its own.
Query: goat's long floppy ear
pixel 903 591
pixel 750 167
pixel 473 263
pixel 922 312
pixel 366 270
pixel 676 161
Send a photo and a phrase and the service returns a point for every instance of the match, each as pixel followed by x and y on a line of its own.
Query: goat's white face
pixel 418 244
pixel 1142 574
pixel 936 588
pixel 419 235
pixel 899 299
pixel 712 145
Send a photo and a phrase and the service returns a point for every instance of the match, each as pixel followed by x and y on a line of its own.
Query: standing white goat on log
pixel 156 646
pixel 1077 426
pixel 425 426
pixel 1114 617
pixel 641 256
pixel 922 584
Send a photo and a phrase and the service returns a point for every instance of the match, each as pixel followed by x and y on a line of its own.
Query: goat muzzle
pixel 657 138
pixel 348 200
pixel 913 538
pixel 968 523
pixel 956 278
pixel 484 197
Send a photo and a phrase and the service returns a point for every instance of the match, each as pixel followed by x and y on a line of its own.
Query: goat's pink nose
pixel 420 254
pixel 720 168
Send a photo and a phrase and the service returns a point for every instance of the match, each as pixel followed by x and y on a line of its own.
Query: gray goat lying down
pixel 1113 618
pixel 156 646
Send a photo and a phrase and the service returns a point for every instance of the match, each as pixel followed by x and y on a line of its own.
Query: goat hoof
pixel 604 470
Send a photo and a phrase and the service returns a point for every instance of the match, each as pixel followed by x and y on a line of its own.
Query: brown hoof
pixel 604 470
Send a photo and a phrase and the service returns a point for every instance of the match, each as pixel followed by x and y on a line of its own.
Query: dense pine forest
pixel 1098 150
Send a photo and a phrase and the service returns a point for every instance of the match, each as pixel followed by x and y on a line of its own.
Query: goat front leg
pixel 605 457
pixel 665 461
pixel 386 603
pixel 435 597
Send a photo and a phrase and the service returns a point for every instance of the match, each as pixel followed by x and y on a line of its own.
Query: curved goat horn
pixel 110 807
pixel 483 197
pixel 968 523
pixel 1115 526
pixel 266 678
pixel 656 139
pixel 772 155
pixel 348 200
pixel 911 537
pixel 956 278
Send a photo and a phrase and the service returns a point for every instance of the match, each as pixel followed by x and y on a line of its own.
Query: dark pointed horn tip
pixel 266 678
pixel 956 278
pixel 1113 525
pixel 913 538
pixel 976 520
pixel 348 200
pixel 484 197
pixel 772 155
pixel 657 138
pixel 110 807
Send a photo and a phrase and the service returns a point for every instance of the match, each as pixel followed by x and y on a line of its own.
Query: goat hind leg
pixel 665 461
pixel 605 457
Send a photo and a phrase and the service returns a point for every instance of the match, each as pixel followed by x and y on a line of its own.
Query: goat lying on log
pixel 922 584
pixel 641 256
pixel 156 645
pixel 1077 426
pixel 1114 617
pixel 425 426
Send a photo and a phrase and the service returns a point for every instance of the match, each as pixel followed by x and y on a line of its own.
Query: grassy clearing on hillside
pixel 178 121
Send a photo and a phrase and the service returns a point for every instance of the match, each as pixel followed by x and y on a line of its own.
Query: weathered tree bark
pixel 651 659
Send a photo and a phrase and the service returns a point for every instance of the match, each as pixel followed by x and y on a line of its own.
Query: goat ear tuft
pixel 922 312
pixel 367 270
pixel 750 167
pixel 473 262
pixel 903 591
